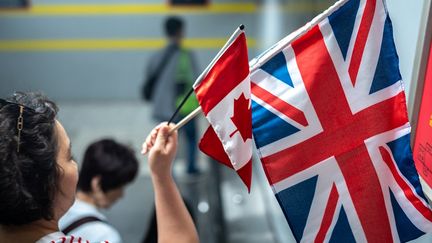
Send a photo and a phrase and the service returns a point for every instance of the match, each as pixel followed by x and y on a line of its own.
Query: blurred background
pixel 90 56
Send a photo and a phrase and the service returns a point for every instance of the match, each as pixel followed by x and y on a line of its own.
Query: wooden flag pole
pixel 186 119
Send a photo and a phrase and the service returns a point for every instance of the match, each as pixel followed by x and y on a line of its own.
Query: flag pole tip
pixel 241 26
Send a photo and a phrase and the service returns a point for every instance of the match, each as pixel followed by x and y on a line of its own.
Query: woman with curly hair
pixel 38 175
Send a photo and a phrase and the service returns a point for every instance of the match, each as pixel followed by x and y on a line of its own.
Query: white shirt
pixel 93 231
pixel 59 237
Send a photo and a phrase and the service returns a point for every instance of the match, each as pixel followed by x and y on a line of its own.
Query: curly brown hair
pixel 28 174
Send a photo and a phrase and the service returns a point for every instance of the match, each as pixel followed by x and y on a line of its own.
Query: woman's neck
pixel 28 232
pixel 86 197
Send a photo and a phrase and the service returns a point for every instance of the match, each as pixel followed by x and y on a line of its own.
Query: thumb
pixel 162 137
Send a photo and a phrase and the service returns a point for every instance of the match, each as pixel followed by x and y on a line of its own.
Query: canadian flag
pixel 224 96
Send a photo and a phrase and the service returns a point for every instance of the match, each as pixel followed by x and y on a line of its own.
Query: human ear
pixel 98 194
pixel 96 185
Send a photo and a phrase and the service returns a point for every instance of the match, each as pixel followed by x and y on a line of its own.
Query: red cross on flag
pixel 224 97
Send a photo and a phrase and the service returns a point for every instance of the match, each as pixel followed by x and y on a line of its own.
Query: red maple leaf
pixel 242 118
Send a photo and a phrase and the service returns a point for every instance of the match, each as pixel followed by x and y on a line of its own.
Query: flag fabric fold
pixel 330 123
pixel 224 96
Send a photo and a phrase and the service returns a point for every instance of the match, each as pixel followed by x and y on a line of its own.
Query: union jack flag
pixel 330 124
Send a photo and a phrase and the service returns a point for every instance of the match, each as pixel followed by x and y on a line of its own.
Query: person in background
pixel 106 169
pixel 38 176
pixel 174 70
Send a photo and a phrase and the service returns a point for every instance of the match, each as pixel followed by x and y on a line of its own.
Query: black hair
pixel 28 168
pixel 115 163
pixel 173 26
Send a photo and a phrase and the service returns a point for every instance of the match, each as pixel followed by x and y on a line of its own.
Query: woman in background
pixel 106 169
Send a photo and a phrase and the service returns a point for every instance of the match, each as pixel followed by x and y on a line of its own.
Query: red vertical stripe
pixel 365 190
pixel 328 215
pixel 343 134
pixel 360 42
pixel 226 74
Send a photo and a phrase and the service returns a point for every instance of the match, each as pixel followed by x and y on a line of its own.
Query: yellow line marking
pixel 305 7
pixel 136 9
pixel 130 9
pixel 108 44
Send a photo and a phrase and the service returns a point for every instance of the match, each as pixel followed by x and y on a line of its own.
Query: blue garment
pixel 93 231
